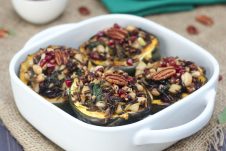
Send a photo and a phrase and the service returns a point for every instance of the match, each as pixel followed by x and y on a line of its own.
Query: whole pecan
pixel 116 79
pixel 163 74
pixel 116 33
pixel 61 57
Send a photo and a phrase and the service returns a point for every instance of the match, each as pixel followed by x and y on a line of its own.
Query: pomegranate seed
pixel 133 38
pixel 111 42
pixel 48 57
pixel 121 92
pixel 130 79
pixel 163 64
pixel 84 10
pixel 68 83
pixel 95 56
pixel 130 62
pixel 50 53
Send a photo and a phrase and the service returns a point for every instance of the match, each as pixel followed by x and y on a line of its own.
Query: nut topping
pixel 186 79
pixel 205 20
pixel 61 57
pixel 37 69
pixel 164 73
pixel 116 79
pixel 117 33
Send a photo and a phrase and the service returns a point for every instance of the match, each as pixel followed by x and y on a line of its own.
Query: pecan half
pixel 116 79
pixel 163 73
pixel 192 30
pixel 61 57
pixel 116 33
pixel 205 20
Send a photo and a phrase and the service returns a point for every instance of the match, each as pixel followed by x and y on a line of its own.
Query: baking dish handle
pixel 149 136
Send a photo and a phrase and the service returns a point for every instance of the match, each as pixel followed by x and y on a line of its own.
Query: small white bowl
pixel 39 11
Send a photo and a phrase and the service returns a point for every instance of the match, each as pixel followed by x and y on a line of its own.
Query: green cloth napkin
pixel 147 7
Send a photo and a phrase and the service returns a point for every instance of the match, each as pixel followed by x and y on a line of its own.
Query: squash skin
pixel 117 121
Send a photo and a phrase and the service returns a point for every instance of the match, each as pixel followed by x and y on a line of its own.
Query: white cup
pixel 39 11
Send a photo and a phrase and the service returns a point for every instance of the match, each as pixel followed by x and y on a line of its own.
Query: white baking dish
pixel 155 132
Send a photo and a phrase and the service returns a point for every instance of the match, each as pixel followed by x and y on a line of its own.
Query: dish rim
pixel 208 85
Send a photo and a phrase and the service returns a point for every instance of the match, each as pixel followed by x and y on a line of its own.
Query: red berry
pixel 133 38
pixel 68 83
pixel 111 42
pixel 48 57
pixel 121 92
pixel 95 56
pixel 130 79
pixel 130 62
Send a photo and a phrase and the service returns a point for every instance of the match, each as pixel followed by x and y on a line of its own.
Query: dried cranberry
pixel 84 10
pixel 68 83
pixel 129 62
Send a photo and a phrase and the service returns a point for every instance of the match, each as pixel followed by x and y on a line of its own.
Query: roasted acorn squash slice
pixel 121 48
pixel 48 72
pixel 105 103
pixel 170 80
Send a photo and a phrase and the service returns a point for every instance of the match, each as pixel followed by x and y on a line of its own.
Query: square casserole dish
pixel 153 133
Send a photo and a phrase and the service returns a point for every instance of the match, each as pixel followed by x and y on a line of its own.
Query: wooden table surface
pixel 7 142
